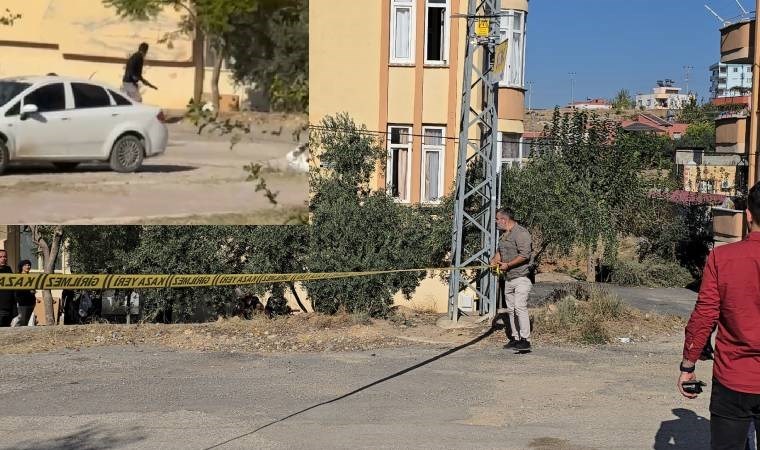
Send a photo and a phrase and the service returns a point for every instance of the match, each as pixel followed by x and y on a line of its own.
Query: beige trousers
pixel 516 294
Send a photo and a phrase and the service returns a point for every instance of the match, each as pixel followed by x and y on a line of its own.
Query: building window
pixel 513 29
pixel 736 69
pixel 399 162
pixel 436 36
pixel 433 146
pixel 402 31
pixel 510 150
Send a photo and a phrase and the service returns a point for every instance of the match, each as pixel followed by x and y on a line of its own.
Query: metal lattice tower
pixel 477 181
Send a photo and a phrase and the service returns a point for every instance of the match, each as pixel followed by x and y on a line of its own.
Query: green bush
pixel 650 272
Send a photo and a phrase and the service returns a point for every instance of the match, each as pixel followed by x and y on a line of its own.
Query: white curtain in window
pixel 403 33
pixel 515 60
pixel 432 172
pixel 402 174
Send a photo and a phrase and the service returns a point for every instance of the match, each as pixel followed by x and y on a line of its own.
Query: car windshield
pixel 10 89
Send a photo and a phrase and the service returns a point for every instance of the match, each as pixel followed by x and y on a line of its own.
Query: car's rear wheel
pixel 4 157
pixel 65 166
pixel 127 154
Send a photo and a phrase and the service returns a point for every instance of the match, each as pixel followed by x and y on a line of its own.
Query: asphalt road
pixel 615 397
pixel 665 301
pixel 198 176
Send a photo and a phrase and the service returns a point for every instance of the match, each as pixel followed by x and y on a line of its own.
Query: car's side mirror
pixel 28 110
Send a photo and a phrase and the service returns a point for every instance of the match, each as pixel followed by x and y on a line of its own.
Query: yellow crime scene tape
pixel 44 281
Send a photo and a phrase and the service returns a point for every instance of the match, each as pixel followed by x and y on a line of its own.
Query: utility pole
pixel 474 228
pixel 688 70
pixel 530 92
pixel 572 85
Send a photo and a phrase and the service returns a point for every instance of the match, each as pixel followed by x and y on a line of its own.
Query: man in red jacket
pixel 730 296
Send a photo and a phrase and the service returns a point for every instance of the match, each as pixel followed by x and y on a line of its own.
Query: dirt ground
pixel 199 180
pixel 309 332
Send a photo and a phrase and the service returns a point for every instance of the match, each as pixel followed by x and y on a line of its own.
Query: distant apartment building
pixel 730 80
pixel 663 96
pixel 396 66
pixel 592 104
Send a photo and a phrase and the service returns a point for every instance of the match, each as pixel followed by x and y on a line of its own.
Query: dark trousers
pixel 25 313
pixel 731 414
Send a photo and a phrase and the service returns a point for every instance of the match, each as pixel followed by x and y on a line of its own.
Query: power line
pixel 386 133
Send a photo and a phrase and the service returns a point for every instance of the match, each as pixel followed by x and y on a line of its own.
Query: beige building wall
pixel 350 71
pixel 84 39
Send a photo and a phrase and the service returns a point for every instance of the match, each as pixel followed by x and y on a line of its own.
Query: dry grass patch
pixel 594 315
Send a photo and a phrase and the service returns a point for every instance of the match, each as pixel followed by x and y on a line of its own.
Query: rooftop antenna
pixel 744 11
pixel 724 22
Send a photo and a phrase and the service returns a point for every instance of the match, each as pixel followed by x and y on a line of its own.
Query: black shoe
pixel 523 345
pixel 512 344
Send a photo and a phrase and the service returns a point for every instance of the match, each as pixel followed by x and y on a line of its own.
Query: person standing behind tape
pixel 26 299
pixel 133 74
pixel 730 297
pixel 513 257
pixel 7 298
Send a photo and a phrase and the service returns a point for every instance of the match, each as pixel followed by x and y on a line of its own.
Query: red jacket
pixel 730 295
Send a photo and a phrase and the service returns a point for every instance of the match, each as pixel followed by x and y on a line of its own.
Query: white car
pixel 67 121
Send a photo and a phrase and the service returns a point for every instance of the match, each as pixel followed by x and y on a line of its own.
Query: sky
pixel 616 44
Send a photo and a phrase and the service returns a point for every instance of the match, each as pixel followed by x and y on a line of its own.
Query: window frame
pixel 398 4
pixel 441 150
pixel 507 32
pixel 74 96
pixel 409 147
pixel 446 6
pixel 114 102
pixel 502 138
pixel 37 88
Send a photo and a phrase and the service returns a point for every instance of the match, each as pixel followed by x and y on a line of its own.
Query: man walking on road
pixel 513 257
pixel 730 296
pixel 134 74
pixel 7 298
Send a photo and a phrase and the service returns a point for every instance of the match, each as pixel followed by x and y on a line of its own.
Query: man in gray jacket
pixel 514 260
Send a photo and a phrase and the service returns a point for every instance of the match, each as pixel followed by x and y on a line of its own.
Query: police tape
pixel 43 281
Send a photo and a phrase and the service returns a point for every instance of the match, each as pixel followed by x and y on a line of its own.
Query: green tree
pixel 584 188
pixel 269 249
pixel 270 48
pixel 653 150
pixel 623 100
pixel 201 19
pixel 101 248
pixel 182 250
pixel 699 134
pixel 356 229
pixel 693 112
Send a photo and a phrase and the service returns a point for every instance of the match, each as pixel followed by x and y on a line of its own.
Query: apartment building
pixel 90 41
pixel 730 80
pixel 396 66
pixel 663 96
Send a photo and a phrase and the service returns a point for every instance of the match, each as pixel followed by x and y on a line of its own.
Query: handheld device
pixel 693 387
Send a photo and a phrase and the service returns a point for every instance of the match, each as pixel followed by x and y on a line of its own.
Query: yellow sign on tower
pixel 483 28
